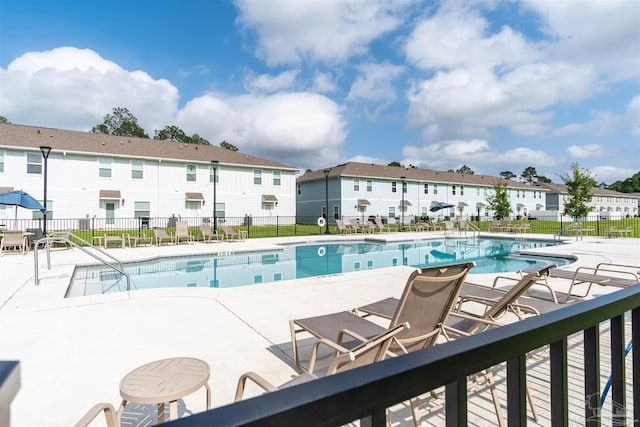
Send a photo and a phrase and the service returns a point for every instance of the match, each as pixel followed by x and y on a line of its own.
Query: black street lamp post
pixel 402 206
pixel 326 199
pixel 214 165
pixel 45 154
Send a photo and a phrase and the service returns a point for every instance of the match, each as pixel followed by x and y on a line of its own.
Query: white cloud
pixel 611 174
pixel 451 154
pixel 633 112
pixel 271 83
pixel 300 129
pixel 74 88
pixel 323 83
pixel 289 31
pixel 586 151
pixel 375 82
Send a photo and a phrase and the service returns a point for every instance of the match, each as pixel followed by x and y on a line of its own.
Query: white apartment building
pixel 358 190
pixel 104 176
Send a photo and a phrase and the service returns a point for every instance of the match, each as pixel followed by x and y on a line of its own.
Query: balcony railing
pixel 365 393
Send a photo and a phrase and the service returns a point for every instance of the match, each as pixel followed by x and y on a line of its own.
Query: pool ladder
pixel 64 238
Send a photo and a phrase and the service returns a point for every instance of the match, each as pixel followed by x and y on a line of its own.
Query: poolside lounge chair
pixel 162 236
pixel 425 304
pixel 182 233
pixel 367 352
pixel 14 240
pixel 230 233
pixel 383 227
pixel 355 226
pixel 342 227
pixel 119 240
pixel 604 274
pixel 208 234
pixel 495 225
pixel 618 232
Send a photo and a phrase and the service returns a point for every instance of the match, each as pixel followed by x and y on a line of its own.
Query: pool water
pixel 308 260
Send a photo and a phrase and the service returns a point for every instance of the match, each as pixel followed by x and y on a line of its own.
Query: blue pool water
pixel 308 260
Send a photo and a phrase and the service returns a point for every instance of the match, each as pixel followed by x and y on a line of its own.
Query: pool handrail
pixel 65 239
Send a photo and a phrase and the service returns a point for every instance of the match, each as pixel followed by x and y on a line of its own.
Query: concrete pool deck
pixel 74 352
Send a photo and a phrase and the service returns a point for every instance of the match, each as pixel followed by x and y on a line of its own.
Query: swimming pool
pixel 298 261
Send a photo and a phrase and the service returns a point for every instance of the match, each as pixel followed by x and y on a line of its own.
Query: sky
pixel 494 85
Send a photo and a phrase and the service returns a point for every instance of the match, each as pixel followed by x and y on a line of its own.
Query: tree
pixel 629 185
pixel 507 175
pixel 465 169
pixel 225 144
pixel 3 119
pixel 529 175
pixel 580 185
pixel 542 178
pixel 395 164
pixel 121 123
pixel 499 200
pixel 197 139
pixel 172 133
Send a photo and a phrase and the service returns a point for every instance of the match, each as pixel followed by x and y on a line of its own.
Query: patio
pixel 74 352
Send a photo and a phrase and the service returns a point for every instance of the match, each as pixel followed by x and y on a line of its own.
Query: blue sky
pixel 494 85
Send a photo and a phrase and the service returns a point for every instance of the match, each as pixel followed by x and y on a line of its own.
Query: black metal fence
pixel 366 392
pixel 279 226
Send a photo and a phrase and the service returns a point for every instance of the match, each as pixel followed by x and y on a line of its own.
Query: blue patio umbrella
pixel 440 205
pixel 20 198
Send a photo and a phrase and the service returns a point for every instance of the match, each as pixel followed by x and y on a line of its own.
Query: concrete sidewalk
pixel 74 352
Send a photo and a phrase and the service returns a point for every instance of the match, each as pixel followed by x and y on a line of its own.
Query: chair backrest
pixel 354 223
pixel 448 225
pixel 161 234
pixel 13 238
pixel 372 351
pixel 206 231
pixel 182 229
pixel 340 224
pixel 505 222
pixel 512 295
pixel 426 301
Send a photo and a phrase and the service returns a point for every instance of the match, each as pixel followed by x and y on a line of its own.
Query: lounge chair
pixel 14 240
pixel 162 236
pixel 355 226
pixel 495 225
pixel 208 234
pixel 367 352
pixel 111 416
pixel 182 233
pixel 425 304
pixel 230 233
pixel 618 232
pixel 381 226
pixel 604 274
pixel 449 227
pixel 342 227
pixel 119 240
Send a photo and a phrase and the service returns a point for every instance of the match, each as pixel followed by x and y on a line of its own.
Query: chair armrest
pixel 109 414
pixel 323 341
pixel 257 379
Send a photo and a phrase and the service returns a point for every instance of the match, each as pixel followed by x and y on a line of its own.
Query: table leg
pixel 206 385
pixel 173 410
pixel 161 413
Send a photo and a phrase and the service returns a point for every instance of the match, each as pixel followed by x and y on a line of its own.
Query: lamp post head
pixel 215 163
pixel 45 151
pixel 326 172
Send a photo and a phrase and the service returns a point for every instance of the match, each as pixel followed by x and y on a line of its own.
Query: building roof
pixel 597 191
pixel 20 136
pixel 369 170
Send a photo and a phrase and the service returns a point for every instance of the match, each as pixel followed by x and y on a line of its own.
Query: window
pixel 39 215
pixel 453 190
pixel 277 277
pixel 393 187
pixel 104 168
pixel 369 265
pixel 336 212
pixel 426 188
pixel 356 266
pixel 477 191
pixel 211 177
pixel 435 188
pixel 191 173
pixel 141 209
pixel 517 194
pixel 136 169
pixel 276 177
pixel 34 163
pixel 369 185
pixel 356 184
pixel 404 187
pixel 462 190
pixel 257 278
pixel 299 189
pixel 257 177
pixel 220 212
pixel 1 161
pixel 392 212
